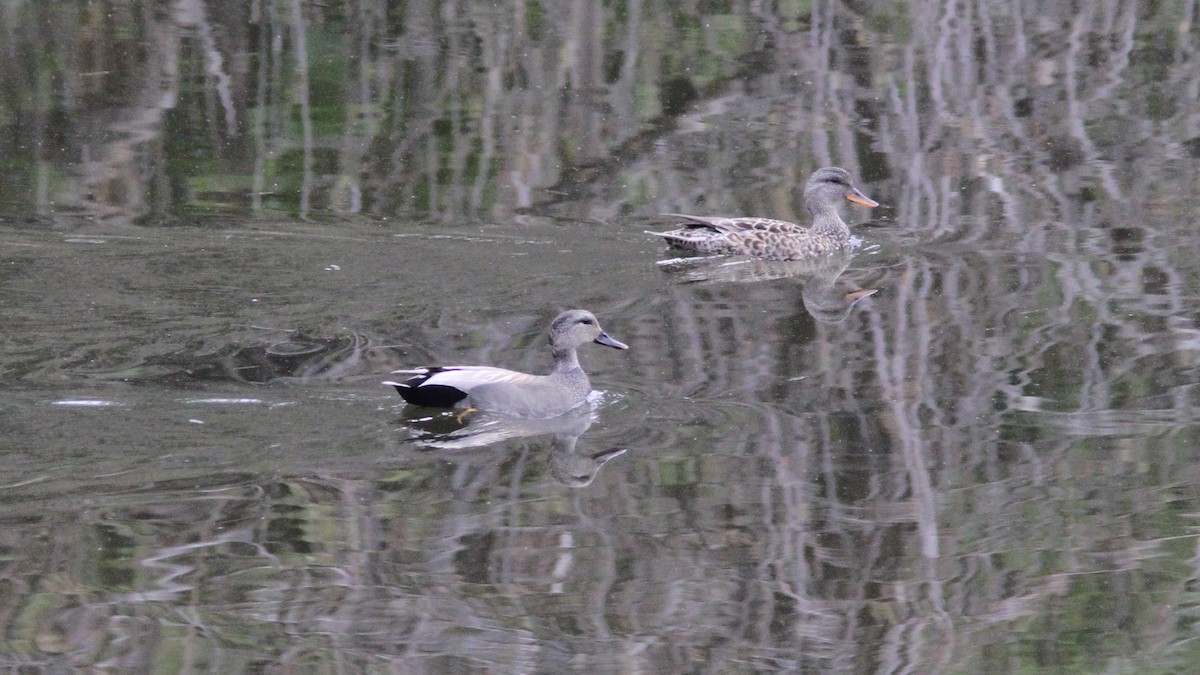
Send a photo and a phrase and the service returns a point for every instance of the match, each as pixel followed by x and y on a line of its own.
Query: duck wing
pixel 725 225
pixel 444 386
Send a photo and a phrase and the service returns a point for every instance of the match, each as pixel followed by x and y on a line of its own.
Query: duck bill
pixel 608 341
pixel 859 198
pixel 858 295
pixel 605 455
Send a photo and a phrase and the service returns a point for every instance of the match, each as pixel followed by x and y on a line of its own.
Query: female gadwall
pixel 509 392
pixel 778 239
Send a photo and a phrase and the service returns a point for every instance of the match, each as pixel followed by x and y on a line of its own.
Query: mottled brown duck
pixel 772 239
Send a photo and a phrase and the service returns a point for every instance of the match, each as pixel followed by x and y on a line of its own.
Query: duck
pixel 510 392
pixel 777 239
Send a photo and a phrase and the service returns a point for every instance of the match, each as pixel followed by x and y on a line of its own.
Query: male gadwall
pixel 777 239
pixel 509 392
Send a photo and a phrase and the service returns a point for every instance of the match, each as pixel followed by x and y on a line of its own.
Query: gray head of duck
pixel 827 187
pixel 576 327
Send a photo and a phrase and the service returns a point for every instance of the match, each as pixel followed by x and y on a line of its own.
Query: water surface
pixel 220 231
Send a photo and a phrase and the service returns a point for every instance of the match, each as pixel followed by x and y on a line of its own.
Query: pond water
pixel 970 445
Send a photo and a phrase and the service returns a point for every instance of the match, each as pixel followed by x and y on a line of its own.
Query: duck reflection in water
pixel 823 297
pixel 445 431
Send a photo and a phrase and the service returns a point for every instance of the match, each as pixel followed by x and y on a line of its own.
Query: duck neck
pixel 570 374
pixel 566 362
pixel 826 220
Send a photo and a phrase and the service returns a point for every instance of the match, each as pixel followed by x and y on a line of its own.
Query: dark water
pixel 222 225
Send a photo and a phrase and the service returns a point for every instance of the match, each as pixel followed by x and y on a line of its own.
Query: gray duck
pixel 509 392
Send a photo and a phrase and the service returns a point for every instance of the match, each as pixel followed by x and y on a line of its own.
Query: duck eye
pixel 586 322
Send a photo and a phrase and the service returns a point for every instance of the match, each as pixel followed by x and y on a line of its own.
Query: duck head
pixel 576 327
pixel 828 186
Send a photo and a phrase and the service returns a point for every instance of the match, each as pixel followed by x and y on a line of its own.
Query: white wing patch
pixel 466 378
